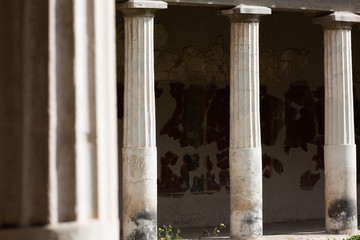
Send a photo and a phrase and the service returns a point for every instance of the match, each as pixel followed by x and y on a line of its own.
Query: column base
pixel 349 232
pixel 340 188
pixel 246 220
pixel 90 230
pixel 252 237
pixel 139 193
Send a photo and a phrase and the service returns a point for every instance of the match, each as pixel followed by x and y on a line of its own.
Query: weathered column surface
pixel 246 219
pixel 339 149
pixel 57 119
pixel 139 142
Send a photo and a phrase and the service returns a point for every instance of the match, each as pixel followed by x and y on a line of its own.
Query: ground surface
pixel 305 230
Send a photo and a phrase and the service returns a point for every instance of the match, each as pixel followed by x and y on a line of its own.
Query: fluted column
pixel 246 217
pixel 139 143
pixel 55 181
pixel 339 149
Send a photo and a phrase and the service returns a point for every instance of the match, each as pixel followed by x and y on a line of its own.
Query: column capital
pixel 337 20
pixel 246 13
pixel 140 7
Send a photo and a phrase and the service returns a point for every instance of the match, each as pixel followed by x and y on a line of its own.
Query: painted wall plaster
pixel 192 105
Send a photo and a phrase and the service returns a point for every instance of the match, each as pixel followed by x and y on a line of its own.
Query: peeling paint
pixel 271 109
pixel 169 182
pixel 270 164
pixel 193 65
pixel 308 180
pixel 299 116
pixel 210 184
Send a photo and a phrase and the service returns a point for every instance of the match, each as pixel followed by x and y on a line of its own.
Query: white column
pixel 60 178
pixel 139 143
pixel 339 149
pixel 246 217
pixel 102 50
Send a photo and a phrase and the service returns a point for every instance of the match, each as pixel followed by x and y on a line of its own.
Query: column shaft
pixel 39 183
pixel 340 149
pixel 139 144
pixel 244 86
pixel 339 120
pixel 245 146
pixel 246 217
pixel 102 48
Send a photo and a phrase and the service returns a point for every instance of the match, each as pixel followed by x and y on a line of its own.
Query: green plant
pixel 354 237
pixel 216 231
pixel 168 233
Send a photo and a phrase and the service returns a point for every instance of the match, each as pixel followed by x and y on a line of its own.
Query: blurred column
pixel 58 76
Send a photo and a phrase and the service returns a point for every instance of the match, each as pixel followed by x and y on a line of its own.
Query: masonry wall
pixel 192 113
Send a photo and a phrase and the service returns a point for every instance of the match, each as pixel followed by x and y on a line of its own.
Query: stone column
pixel 339 149
pixel 139 143
pixel 245 158
pixel 54 181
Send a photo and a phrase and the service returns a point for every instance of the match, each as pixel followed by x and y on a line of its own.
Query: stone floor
pixel 305 230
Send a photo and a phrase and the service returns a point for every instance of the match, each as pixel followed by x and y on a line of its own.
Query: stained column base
pixel 340 188
pixel 139 193
pixel 246 220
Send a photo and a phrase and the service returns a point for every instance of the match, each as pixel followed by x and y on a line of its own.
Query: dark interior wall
pixel 192 113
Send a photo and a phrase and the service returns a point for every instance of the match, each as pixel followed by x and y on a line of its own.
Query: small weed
pixel 215 232
pixel 168 233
